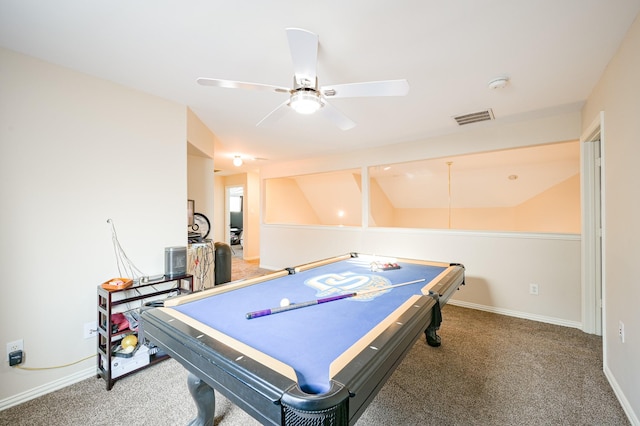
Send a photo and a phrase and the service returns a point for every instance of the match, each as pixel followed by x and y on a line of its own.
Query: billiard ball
pixel 129 343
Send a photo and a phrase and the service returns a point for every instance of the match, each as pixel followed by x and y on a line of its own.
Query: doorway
pixel 593 303
pixel 235 219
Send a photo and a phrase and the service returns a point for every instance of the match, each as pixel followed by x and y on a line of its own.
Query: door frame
pixel 593 220
pixel 227 210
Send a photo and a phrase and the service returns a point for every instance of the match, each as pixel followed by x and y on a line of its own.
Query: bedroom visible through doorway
pixel 235 219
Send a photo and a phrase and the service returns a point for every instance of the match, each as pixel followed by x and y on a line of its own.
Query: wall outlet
pixel 16 345
pixel 90 329
pixel 621 331
pixel 533 289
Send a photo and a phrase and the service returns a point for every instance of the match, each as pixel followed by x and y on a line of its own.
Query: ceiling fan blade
pixel 371 88
pixel 274 115
pixel 304 53
pixel 336 117
pixel 229 84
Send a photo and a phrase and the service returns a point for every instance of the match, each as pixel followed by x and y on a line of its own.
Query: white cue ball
pixel 285 302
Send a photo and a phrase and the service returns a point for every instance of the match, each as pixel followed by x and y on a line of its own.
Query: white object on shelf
pixel 120 365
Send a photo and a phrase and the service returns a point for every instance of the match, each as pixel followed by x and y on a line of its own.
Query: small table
pixel 320 364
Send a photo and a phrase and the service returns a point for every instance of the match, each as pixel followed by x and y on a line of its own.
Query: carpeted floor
pixel 246 268
pixel 490 370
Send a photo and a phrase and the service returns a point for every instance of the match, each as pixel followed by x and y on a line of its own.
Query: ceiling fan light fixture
pixel 237 161
pixel 305 102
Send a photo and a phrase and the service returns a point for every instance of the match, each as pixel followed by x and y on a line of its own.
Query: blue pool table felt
pixel 309 339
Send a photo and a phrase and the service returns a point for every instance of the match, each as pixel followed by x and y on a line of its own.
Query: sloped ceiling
pixel 495 179
pixel 328 194
pixel 479 180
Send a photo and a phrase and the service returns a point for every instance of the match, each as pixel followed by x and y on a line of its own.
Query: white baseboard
pixel 626 406
pixel 517 314
pixel 48 388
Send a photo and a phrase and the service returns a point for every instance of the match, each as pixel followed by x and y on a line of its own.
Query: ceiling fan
pixel 306 97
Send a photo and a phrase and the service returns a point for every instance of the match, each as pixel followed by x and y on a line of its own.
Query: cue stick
pixel 265 312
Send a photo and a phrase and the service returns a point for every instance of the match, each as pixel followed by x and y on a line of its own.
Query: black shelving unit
pixel 130 299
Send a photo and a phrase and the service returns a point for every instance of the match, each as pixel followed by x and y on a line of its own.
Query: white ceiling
pixel 553 51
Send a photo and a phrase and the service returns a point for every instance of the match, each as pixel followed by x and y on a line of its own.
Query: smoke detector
pixel 499 83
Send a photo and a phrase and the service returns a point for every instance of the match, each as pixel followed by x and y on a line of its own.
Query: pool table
pixel 320 357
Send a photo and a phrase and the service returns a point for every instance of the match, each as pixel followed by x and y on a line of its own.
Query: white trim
pixel 430 231
pixel 516 314
pixel 48 388
pixel 624 402
pixel 592 288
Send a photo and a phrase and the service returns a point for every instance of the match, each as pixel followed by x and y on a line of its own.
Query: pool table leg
pixel 205 400
pixel 436 319
pixel 432 338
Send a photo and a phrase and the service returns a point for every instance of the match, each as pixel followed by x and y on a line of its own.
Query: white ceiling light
pixel 305 102
pixel 237 161
pixel 499 83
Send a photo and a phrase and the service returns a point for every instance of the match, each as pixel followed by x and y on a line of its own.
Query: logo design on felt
pixel 348 282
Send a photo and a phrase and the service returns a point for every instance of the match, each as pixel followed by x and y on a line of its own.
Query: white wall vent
pixel 474 117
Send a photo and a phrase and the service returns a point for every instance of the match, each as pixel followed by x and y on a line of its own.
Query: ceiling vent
pixel 474 117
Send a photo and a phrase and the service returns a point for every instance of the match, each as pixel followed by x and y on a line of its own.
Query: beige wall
pixel 251 243
pixel 219 200
pixel 199 135
pixel 496 219
pixel 618 95
pixel 200 185
pixel 75 151
pixel 200 179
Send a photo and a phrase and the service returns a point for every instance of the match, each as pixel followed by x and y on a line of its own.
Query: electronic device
pixel 15 358
pixel 175 261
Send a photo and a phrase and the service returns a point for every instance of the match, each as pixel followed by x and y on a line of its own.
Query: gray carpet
pixel 490 370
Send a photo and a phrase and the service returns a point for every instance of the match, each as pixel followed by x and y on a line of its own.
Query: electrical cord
pixel 55 366
pixel 126 268
pixel 202 259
